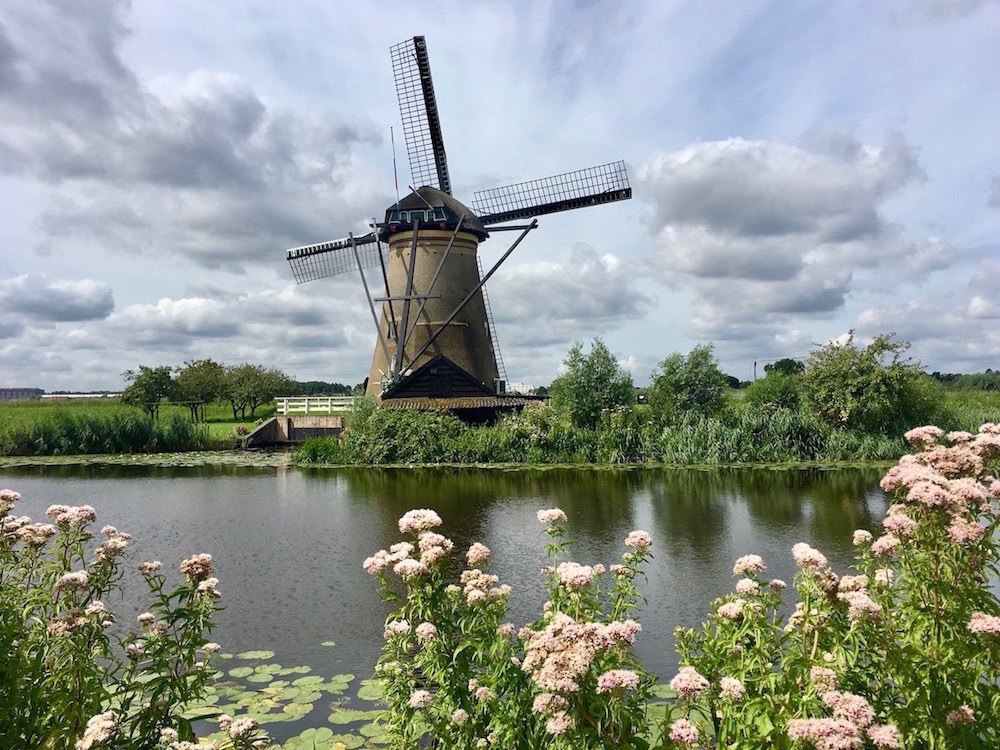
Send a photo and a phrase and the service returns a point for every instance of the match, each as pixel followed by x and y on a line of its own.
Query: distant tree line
pixel 977 381
pixel 246 387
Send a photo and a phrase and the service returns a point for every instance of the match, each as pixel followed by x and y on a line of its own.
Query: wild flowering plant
pixel 64 683
pixel 454 670
pixel 903 653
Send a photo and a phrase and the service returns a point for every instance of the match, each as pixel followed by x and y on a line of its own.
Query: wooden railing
pixel 314 404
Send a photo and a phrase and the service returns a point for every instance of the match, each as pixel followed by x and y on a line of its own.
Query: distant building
pixel 20 394
pixel 60 396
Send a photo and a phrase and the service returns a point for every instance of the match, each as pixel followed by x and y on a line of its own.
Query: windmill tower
pixel 436 338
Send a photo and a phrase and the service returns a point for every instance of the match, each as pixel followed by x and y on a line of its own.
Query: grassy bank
pixel 743 433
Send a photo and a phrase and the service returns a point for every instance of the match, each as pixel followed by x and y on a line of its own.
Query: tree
pixel 875 388
pixel 199 382
pixel 692 383
pixel 776 389
pixel 786 366
pixel 592 383
pixel 148 387
pixel 249 386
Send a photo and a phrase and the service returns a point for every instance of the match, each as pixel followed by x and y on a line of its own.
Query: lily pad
pixel 310 680
pixel 351 715
pixel 371 690
pixel 345 742
pixel 241 671
pixel 260 677
pixel 256 655
pixel 328 643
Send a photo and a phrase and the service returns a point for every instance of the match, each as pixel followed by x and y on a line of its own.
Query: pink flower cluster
pixel 478 554
pixel 639 540
pixel 853 719
pixel 420 699
pixel 558 656
pixel 747 587
pixel 76 580
pixel 807 557
pixel 732 610
pixel 574 575
pixel 732 689
pixel 689 683
pixel 961 715
pixel 434 547
pixel 984 624
pixel 617 681
pixel 480 586
pixel 73 516
pixel 198 567
pixel 417 520
pixel 98 730
pixel 551 516
pixel 684 732
pixel 749 565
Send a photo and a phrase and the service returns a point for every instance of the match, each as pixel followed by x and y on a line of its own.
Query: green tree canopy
pixel 785 366
pixel 692 383
pixel 199 382
pixel 249 386
pixel 874 388
pixel 592 382
pixel 147 387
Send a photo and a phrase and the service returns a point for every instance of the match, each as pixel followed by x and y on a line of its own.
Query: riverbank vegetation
pixel 901 652
pixel 65 683
pixel 847 403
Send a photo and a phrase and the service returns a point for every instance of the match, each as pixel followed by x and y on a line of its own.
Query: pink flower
pixel 862 537
pixel 923 437
pixel 78 580
pixel 639 540
pixel 426 631
pixel 883 577
pixel 984 624
pixel 885 545
pixel 885 737
pixel 823 678
pixel 828 734
pixel 900 525
pixel 617 681
pixel 689 683
pixel 860 606
pixel 961 715
pixel 420 699
pixel 684 732
pixel 150 567
pixel 198 567
pixel 505 630
pixel 410 569
pixel 777 584
pixel 732 610
pixel 417 520
pixel 749 565
pixel 551 516
pixel 397 627
pixel 623 633
pixel 377 562
pixel 807 557
pixel 459 716
pixel 559 723
pixel 850 707
pixel 548 703
pixel 731 689
pixel 747 587
pixel 477 555
pixel 965 532
pixel 574 575
pixel 482 694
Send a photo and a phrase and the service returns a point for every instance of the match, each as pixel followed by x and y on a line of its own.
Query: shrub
pixel 592 383
pixel 453 669
pixel 63 684
pixel 692 383
pixel 775 390
pixel 903 652
pixel 874 389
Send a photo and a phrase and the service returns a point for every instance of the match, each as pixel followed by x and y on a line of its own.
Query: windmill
pixel 436 339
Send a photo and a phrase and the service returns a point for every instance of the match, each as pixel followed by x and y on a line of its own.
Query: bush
pixel 775 390
pixel 63 684
pixel 904 652
pixel 688 384
pixel 592 383
pixel 872 389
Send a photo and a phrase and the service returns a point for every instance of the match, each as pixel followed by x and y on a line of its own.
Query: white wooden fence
pixel 314 404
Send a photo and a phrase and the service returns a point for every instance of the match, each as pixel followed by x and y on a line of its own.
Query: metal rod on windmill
pixel 432 257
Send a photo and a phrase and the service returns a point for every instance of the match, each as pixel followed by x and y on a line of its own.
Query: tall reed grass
pixel 71 431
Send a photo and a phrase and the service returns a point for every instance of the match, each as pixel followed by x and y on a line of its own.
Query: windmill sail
pixel 418 109
pixel 311 262
pixel 585 187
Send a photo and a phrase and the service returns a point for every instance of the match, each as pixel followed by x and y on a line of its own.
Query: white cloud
pixel 43 299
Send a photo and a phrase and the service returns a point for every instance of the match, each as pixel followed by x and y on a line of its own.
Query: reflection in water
pixel 289 543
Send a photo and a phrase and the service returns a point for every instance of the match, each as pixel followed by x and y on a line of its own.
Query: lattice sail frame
pixel 418 110
pixel 325 259
pixel 604 183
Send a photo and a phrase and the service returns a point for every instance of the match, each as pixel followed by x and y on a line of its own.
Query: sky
pixel 799 170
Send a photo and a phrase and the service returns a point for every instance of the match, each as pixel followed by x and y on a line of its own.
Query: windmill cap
pixel 425 198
